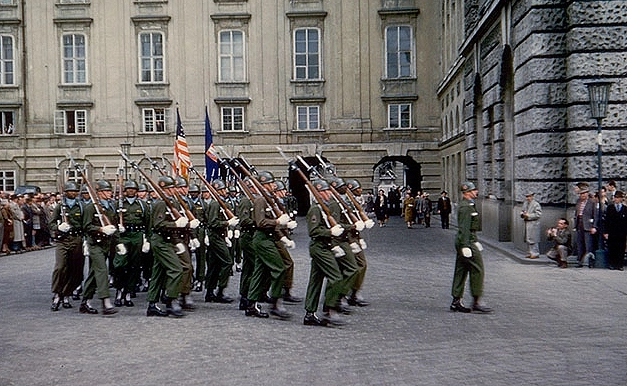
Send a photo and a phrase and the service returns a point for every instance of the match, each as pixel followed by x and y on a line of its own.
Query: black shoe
pixel 56 302
pixel 312 320
pixel 357 302
pixel 108 310
pixel 129 303
pixel 76 297
pixel 209 297
pixel 87 309
pixel 280 313
pixel 222 299
pixel 291 299
pixel 341 308
pixel 153 310
pixel 458 306
pixel 333 320
pixel 198 286
pixel 481 308
pixel 66 304
pixel 243 304
pixel 173 308
pixel 254 311
pixel 117 302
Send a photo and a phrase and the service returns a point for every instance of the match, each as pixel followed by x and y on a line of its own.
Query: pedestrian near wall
pixel 531 213
pixel 615 231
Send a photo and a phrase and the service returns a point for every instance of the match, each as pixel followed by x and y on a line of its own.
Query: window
pixel 74 1
pixel 70 122
pixel 399 116
pixel 151 57
pixel 7 2
pixel 7 122
pixel 7 62
pixel 7 180
pixel 155 120
pixel 232 56
pixel 307 54
pixel 74 59
pixel 308 117
pixel 398 51
pixel 71 174
pixel 233 118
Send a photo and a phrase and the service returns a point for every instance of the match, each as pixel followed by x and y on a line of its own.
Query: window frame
pixel 153 71
pixel 4 122
pixel 232 57
pixel 75 60
pixel 80 118
pixel 3 180
pixel 224 126
pixel 399 53
pixel 308 110
pixel 166 121
pixel 4 61
pixel 399 117
pixel 307 67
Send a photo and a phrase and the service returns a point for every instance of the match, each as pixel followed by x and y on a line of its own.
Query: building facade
pixel 352 80
pixel 515 106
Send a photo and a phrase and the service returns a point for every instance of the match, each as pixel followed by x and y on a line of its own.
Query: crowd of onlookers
pixel 24 221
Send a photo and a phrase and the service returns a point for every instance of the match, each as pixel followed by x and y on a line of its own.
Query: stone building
pixel 352 80
pixel 515 106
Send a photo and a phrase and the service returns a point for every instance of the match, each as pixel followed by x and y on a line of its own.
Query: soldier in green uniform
pixel 220 261
pixel 135 219
pixel 269 264
pixel 244 212
pixel 67 222
pixel 354 298
pixel 166 270
pixel 187 237
pixel 100 239
pixel 323 263
pixel 146 259
pixel 469 261
pixel 199 209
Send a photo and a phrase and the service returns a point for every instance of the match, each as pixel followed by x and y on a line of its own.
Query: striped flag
pixel 211 160
pixel 181 151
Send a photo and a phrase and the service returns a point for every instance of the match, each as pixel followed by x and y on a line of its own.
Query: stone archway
pixel 397 172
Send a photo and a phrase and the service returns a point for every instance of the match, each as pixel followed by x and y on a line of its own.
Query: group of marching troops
pixel 145 238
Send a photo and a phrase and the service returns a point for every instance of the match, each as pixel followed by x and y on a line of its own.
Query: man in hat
pixel 531 212
pixel 615 231
pixel 586 224
pixel 444 208
pixel 469 261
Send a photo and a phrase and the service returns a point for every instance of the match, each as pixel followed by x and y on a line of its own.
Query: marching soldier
pixel 67 222
pixel 354 299
pixel 199 209
pixel 247 226
pixel 186 237
pixel 280 194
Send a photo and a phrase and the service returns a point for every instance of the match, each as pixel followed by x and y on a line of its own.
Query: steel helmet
pixel 265 177
pixel 320 184
pixel 194 188
pixel 353 184
pixel 218 184
pixel 280 185
pixel 102 185
pixel 142 187
pixel 131 184
pixel 70 186
pixel 181 182
pixel 166 182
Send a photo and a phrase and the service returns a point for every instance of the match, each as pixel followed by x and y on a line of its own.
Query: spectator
pixel 409 208
pixel 615 231
pixel 17 220
pixel 586 224
pixel 562 241
pixel 444 209
pixel 531 212
pixel 381 208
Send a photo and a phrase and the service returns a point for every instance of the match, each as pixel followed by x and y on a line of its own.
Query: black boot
pixel 458 306
pixel 173 308
pixel 153 310
pixel 85 308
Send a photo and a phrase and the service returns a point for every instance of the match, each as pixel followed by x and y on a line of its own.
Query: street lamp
pixel 599 96
pixel 126 149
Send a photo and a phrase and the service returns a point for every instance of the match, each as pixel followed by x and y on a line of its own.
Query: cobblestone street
pixel 550 327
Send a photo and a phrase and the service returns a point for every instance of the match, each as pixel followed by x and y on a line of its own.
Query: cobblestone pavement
pixel 550 327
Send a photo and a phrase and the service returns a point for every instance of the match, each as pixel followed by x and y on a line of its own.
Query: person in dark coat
pixel 381 208
pixel 615 231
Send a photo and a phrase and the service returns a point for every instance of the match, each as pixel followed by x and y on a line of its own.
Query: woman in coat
pixel 381 207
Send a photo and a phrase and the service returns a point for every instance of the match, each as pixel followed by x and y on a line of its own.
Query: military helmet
pixel 218 184
pixel 71 186
pixel 336 182
pixel 131 184
pixel 84 189
pixel 102 185
pixel 166 182
pixel 353 184
pixel 181 182
pixel 280 185
pixel 265 177
pixel 194 188
pixel 232 189
pixel 320 184
pixel 467 186
pixel 142 187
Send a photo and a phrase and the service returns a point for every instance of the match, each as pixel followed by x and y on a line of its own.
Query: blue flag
pixel 211 160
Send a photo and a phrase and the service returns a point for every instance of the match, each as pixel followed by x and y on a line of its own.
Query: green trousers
pixel 323 264
pixel 269 263
pixel 166 270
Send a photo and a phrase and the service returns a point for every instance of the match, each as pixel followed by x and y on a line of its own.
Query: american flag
pixel 181 151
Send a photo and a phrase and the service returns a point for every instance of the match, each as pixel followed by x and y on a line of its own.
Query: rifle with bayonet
pixel 100 212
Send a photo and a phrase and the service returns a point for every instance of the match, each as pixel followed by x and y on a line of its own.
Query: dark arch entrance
pixel 297 185
pixel 413 175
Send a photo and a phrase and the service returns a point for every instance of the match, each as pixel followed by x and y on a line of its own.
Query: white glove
pixel 85 248
pixel 337 251
pixel 181 222
pixel 236 233
pixel 360 225
pixel 355 248
pixel 108 229
pixel 363 244
pixel 194 223
pixel 229 244
pixel 121 249
pixel 233 221
pixel 206 240
pixel 337 230
pixel 292 224
pixel 121 228
pixel 288 243
pixel 65 227
pixel 479 246
pixel 466 252
pixel 369 223
pixel 145 245
pixel 194 244
pixel 180 248
pixel 229 233
pixel 283 219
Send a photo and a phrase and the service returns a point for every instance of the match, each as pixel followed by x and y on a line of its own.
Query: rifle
pixel 214 193
pixel 61 191
pixel 364 217
pixel 312 190
pixel 100 212
pixel 173 211
pixel 188 213
pixel 120 184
